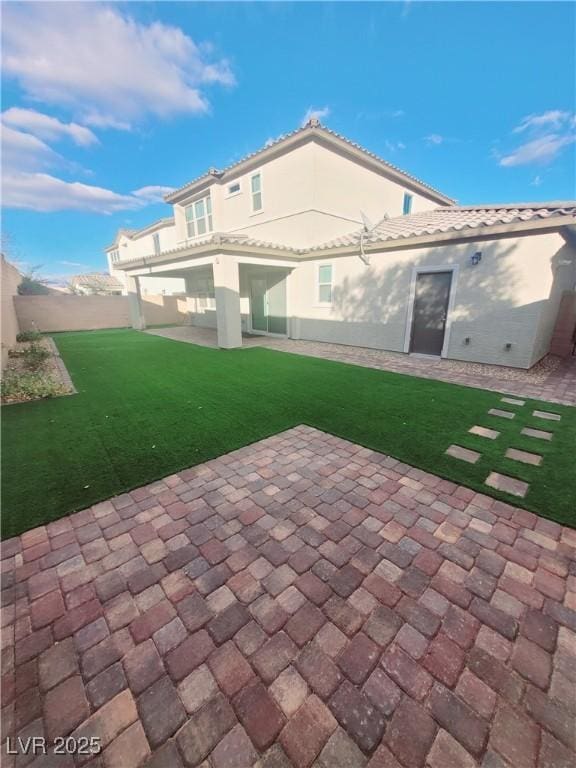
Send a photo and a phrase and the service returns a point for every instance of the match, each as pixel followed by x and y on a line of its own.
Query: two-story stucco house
pixel 314 237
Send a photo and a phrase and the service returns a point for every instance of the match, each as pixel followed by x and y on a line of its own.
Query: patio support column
pixel 227 293
pixel 135 303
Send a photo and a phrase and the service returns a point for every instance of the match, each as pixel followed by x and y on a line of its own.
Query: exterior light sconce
pixel 467 340
pixel 508 346
pixel 476 258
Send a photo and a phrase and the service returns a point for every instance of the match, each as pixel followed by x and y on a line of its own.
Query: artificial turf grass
pixel 148 406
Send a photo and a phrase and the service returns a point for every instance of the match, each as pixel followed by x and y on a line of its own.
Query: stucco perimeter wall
pixel 503 300
pixel 10 279
pixel 87 313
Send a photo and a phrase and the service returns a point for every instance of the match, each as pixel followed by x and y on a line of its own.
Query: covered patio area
pixel 230 296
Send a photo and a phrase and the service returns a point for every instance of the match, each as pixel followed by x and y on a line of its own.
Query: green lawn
pixel 147 407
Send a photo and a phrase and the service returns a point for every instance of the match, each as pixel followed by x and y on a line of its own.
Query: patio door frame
pixel 251 329
pixel 454 269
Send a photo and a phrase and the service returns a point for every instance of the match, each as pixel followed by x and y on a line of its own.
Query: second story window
pixel 407 205
pixel 325 284
pixel 256 189
pixel 199 217
pixel 114 256
pixel 233 189
pixel 156 241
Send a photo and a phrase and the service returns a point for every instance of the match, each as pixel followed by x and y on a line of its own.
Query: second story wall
pixel 302 197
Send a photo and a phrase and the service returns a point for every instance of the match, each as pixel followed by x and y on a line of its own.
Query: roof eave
pixel 310 133
pixel 468 233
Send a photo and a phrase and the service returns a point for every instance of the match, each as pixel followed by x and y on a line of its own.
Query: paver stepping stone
pixel 524 456
pixel 538 433
pixel 512 401
pixel 465 454
pixel 507 484
pixel 546 415
pixel 491 434
pixel 502 414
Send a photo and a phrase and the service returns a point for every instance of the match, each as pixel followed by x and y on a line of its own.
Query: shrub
pixel 29 386
pixel 34 357
pixel 29 336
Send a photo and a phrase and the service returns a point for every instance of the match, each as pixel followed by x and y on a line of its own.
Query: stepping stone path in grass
pixel 491 434
pixel 503 414
pixel 540 434
pixel 524 456
pixel 510 485
pixel 546 415
pixel 465 454
pixel 512 401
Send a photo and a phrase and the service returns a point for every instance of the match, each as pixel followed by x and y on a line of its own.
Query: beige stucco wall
pixel 144 246
pixel 511 297
pixel 80 313
pixel 10 279
pixel 310 194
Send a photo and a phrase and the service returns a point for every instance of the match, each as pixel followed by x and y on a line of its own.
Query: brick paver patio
pixel 553 379
pixel 302 601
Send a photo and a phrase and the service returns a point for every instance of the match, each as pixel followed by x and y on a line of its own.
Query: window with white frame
pixel 325 284
pixel 407 204
pixel 256 189
pixel 156 242
pixel 199 217
pixel 204 291
pixel 233 189
pixel 114 255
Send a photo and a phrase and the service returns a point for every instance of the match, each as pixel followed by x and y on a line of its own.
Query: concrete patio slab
pixel 491 434
pixel 464 454
pixel 539 434
pixel 303 601
pixel 501 414
pixel 510 485
pixel 546 415
pixel 524 456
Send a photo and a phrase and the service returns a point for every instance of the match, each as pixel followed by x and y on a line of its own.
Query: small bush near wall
pixel 32 373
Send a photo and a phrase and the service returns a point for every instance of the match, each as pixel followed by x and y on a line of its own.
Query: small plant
pixel 17 387
pixel 34 357
pixel 29 336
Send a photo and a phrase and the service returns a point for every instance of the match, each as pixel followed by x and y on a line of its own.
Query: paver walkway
pixel 552 379
pixel 302 601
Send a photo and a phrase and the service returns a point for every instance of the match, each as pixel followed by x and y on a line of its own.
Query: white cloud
pixel 394 146
pixel 541 150
pixel 536 181
pixel 434 138
pixel 153 193
pixel 315 113
pixel 45 193
pixel 554 118
pixel 47 127
pixel 106 66
pixel 548 134
pixel 23 151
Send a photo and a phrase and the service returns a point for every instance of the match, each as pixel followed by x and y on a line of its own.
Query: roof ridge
pixel 315 127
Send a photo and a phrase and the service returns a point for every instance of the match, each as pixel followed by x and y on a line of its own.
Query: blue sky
pixel 107 106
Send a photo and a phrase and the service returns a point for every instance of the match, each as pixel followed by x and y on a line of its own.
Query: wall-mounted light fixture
pixel 476 258
pixel 508 346
pixel 467 340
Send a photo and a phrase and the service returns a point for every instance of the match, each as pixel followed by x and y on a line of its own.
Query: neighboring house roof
pixel 134 234
pixel 311 130
pixel 97 281
pixel 477 222
pixel 455 218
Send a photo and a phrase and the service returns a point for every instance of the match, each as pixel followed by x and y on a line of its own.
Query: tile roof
pixel 434 222
pixel 452 219
pixel 98 280
pixel 312 127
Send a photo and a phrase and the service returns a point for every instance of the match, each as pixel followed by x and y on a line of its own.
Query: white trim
pixel 233 194
pixel 260 192
pixel 454 269
pixel 318 302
